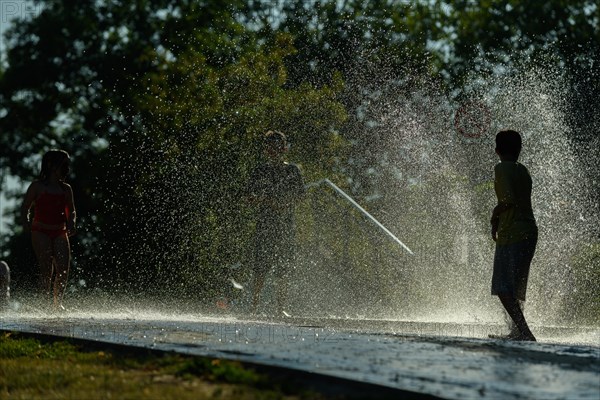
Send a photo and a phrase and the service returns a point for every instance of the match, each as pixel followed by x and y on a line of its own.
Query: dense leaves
pixel 162 104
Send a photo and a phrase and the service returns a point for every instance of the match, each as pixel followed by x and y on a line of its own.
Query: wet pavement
pixel 450 360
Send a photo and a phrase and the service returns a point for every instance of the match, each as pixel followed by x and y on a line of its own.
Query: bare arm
pixel 495 220
pixel 28 200
pixel 71 218
pixel 504 192
pixel 499 209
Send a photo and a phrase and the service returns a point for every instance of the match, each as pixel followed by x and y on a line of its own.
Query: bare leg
pixel 62 262
pixel 4 284
pixel 281 293
pixel 259 282
pixel 42 246
pixel 514 330
pixel 514 310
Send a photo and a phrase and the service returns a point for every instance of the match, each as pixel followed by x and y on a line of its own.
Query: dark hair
pixel 508 143
pixel 275 138
pixel 52 159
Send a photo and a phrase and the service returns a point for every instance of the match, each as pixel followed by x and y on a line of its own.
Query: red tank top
pixel 51 208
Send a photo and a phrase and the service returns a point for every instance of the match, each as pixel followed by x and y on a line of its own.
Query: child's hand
pixel 495 223
pixel 71 230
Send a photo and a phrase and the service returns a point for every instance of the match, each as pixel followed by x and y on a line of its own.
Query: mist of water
pixel 429 184
pixel 433 187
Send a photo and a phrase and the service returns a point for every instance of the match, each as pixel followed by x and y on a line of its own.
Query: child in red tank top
pixel 52 224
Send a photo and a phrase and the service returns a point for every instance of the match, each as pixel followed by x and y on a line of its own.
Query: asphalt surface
pixel 448 360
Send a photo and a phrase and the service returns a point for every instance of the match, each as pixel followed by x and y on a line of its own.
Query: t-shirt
pixel 512 184
pixel 277 186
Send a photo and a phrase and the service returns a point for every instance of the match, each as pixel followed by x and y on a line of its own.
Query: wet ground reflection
pixel 449 360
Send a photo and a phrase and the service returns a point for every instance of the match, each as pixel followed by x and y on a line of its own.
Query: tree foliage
pixel 501 30
pixel 162 104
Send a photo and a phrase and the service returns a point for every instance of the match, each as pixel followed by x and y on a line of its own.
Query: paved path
pixel 454 361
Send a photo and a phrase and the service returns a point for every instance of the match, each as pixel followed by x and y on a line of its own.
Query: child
pixel 514 230
pixel 53 223
pixel 275 187
pixel 4 285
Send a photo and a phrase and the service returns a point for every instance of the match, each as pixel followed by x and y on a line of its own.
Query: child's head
pixel 275 143
pixel 508 144
pixel 55 160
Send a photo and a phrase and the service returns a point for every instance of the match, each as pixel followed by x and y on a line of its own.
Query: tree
pixel 160 104
pixel 505 37
pixel 378 48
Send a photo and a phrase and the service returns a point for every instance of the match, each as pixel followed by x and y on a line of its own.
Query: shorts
pixel 511 268
pixel 273 253
pixel 51 233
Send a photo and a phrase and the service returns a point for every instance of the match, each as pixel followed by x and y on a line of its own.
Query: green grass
pixel 31 369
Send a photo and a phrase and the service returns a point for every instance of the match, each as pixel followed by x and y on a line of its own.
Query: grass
pixel 31 369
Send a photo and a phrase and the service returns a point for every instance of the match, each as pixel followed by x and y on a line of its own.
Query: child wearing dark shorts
pixel 514 230
pixel 275 188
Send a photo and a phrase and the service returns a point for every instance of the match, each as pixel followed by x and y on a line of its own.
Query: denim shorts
pixel 511 268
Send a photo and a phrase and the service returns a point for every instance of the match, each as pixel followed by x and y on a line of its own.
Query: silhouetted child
pixel 53 223
pixel 4 285
pixel 514 230
pixel 275 187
